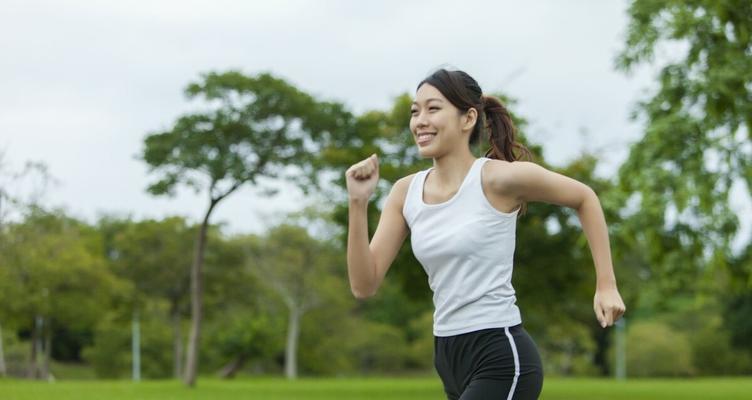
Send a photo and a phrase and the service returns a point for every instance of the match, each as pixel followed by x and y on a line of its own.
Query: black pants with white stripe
pixel 497 363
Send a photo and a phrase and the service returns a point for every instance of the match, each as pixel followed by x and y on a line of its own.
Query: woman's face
pixel 436 124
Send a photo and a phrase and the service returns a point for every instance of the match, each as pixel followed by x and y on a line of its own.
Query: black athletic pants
pixel 497 363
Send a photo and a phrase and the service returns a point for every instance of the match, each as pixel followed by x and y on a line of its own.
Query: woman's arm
pixel 529 182
pixel 367 264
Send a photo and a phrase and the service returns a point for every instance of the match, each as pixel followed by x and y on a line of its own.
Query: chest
pixel 432 193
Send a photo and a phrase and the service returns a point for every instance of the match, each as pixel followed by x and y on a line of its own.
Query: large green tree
pixel 251 128
pixel 54 275
pixel 154 258
pixel 696 145
pixel 13 202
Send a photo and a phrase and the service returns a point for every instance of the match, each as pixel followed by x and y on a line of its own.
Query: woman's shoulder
pixel 401 187
pixel 402 184
pixel 501 175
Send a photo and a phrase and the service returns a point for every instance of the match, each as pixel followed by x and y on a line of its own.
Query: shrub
pixel 713 354
pixel 654 349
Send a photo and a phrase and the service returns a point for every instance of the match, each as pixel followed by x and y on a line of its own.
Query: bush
pixel 378 347
pixel 567 348
pixel 356 346
pixel 111 353
pixel 16 354
pixel 420 352
pixel 255 338
pixel 654 349
pixel 713 354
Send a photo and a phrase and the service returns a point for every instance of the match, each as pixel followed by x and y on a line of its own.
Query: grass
pixel 72 371
pixel 367 388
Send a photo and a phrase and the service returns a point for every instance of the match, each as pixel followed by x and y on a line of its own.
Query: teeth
pixel 425 137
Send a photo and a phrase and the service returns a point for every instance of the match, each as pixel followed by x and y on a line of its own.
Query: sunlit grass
pixel 366 388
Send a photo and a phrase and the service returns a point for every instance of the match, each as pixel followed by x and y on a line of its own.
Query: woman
pixel 461 215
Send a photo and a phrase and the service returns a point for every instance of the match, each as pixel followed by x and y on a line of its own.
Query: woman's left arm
pixel 529 182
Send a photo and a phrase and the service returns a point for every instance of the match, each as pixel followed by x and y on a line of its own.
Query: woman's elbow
pixel 588 197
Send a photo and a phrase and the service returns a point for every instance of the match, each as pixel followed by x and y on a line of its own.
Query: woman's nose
pixel 421 119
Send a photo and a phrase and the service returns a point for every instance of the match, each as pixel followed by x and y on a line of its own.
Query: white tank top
pixel 466 246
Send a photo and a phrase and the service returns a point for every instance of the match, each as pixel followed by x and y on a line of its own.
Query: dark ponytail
pixel 493 120
pixel 501 132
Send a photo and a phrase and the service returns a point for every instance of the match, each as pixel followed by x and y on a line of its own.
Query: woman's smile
pixel 424 138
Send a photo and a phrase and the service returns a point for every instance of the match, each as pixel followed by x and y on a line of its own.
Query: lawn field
pixel 367 388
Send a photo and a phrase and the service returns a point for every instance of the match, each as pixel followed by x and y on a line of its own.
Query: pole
pixel 620 370
pixel 135 346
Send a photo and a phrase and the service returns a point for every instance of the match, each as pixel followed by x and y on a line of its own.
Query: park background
pixel 143 141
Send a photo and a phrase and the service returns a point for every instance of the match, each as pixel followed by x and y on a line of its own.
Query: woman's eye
pixel 413 111
pixel 433 108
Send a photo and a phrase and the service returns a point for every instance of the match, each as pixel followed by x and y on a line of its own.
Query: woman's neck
pixel 450 170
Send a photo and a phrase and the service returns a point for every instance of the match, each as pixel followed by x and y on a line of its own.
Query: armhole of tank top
pixel 408 204
pixel 486 202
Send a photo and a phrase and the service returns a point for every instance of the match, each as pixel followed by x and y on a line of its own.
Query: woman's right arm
pixel 367 264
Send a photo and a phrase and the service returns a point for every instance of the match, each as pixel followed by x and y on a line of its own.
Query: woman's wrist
pixel 606 283
pixel 357 201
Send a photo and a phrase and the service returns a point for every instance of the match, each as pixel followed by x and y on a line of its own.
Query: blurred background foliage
pixel 279 302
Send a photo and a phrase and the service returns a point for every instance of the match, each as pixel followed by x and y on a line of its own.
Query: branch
pixel 234 187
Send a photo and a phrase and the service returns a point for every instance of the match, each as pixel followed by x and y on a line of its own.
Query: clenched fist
pixel 362 178
pixel 608 306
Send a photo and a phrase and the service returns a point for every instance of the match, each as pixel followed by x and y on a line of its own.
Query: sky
pixel 83 82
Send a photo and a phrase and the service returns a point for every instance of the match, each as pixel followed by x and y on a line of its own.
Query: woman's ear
pixel 469 119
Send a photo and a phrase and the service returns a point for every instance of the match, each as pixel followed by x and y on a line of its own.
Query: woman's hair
pixel 493 120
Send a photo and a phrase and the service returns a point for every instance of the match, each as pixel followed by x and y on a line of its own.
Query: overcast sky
pixel 82 82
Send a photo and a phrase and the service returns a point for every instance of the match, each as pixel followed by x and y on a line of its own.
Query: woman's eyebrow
pixel 427 100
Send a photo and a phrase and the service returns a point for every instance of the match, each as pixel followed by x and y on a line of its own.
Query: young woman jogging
pixel 461 215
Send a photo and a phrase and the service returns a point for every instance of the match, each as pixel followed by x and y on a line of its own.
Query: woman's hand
pixel 608 305
pixel 362 178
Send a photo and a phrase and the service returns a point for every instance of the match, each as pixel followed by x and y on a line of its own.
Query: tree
pixel 54 275
pixel 251 128
pixel 242 325
pixel 155 257
pixel 13 201
pixel 738 299
pixel 297 268
pixel 696 146
pixel 697 125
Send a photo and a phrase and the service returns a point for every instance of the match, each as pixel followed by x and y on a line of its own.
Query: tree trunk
pixel 3 368
pixel 177 343
pixel 33 368
pixel 229 370
pixel 602 344
pixel 46 375
pixel 291 350
pixel 197 284
pixel 33 355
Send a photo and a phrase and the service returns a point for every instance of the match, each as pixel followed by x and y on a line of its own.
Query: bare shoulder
pixel 399 189
pixel 500 175
pixel 395 202
pixel 528 181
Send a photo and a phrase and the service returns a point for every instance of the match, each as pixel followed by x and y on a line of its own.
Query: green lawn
pixel 367 388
